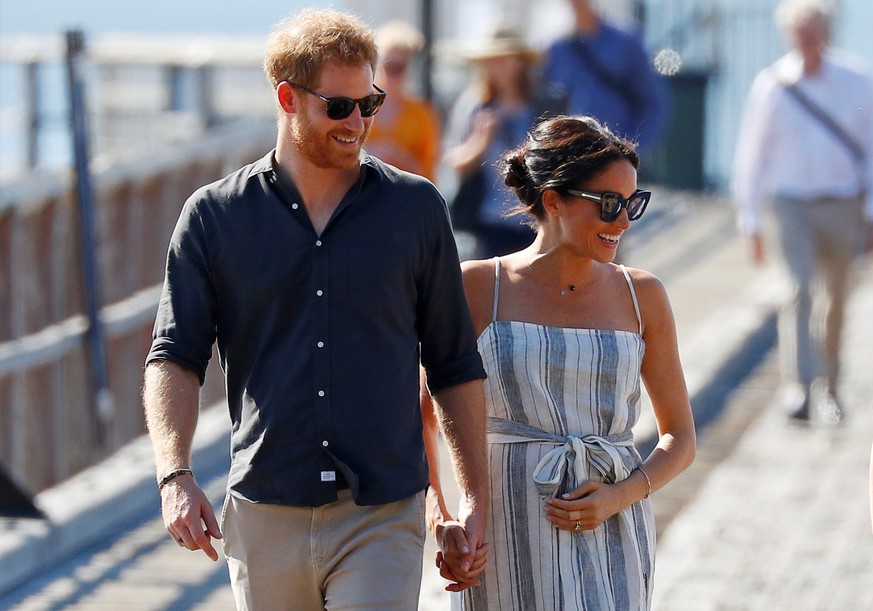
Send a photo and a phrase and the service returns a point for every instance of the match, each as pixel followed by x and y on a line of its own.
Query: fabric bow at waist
pixel 573 453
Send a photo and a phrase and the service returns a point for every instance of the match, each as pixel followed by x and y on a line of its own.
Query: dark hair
pixel 561 153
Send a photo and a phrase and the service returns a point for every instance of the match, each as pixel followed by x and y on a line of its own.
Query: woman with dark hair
pixel 565 336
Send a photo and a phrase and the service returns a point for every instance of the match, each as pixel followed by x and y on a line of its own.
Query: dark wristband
pixel 171 476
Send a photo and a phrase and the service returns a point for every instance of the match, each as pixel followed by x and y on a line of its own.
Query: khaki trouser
pixel 337 556
pixel 815 239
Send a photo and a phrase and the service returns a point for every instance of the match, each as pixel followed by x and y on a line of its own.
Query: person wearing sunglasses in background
pixel 407 133
pixel 326 276
pixel 566 336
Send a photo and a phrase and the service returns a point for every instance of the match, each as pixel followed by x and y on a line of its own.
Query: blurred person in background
pixel 491 116
pixel 325 276
pixel 606 73
pixel 407 131
pixel 805 150
pixel 566 335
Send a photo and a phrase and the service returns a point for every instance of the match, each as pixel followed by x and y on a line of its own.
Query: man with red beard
pixel 325 276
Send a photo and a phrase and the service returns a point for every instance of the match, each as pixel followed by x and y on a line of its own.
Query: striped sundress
pixel 565 400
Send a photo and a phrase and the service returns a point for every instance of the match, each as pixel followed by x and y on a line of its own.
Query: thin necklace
pixel 570 287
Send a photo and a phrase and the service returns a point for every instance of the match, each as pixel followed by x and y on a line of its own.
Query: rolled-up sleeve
pixel 448 345
pixel 185 324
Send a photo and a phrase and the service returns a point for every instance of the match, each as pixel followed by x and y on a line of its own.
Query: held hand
pixel 186 512
pixel 473 521
pixel 464 551
pixel 584 508
pixel 456 560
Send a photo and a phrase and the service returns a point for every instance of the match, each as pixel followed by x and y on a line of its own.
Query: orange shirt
pixel 409 140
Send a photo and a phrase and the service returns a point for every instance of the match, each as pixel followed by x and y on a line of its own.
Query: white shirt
pixel 783 150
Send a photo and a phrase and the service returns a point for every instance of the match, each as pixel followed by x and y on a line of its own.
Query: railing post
pixel 31 111
pixel 427 28
pixel 205 107
pixel 102 398
pixel 174 77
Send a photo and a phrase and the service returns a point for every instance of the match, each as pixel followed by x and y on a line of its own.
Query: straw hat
pixel 397 34
pixel 503 40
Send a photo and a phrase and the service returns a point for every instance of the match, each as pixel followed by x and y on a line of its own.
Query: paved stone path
pixel 782 521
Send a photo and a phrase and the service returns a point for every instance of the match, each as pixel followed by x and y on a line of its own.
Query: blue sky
pixel 166 16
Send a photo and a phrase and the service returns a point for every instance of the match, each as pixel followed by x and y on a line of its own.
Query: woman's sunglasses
pixel 612 203
pixel 340 107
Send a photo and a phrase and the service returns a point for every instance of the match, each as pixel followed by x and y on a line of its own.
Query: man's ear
pixel 286 98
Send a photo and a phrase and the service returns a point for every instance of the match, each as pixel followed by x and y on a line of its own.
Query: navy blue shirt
pixel 319 336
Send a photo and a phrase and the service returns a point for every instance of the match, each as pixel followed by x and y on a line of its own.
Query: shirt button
pixel 294 206
pixel 320 344
pixel 320 393
pixel 318 242
pixel 324 443
pixel 319 292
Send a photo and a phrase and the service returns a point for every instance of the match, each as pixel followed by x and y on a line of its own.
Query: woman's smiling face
pixel 579 219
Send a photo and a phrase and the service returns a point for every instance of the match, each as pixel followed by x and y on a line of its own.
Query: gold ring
pixel 578 526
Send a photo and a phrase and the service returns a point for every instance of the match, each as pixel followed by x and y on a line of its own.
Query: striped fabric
pixel 576 391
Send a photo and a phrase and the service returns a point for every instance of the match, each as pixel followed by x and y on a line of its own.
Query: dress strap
pixel 496 287
pixel 633 297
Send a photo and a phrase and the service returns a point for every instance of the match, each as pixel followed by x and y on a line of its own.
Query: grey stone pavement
pixel 770 516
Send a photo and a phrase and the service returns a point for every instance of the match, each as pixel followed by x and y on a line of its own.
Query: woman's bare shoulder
pixel 478 271
pixel 644 281
pixel 479 286
pixel 652 297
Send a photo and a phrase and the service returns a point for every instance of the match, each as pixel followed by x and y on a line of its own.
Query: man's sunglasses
pixel 612 203
pixel 340 107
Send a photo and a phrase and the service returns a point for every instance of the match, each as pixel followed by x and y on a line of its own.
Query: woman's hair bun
pixel 515 172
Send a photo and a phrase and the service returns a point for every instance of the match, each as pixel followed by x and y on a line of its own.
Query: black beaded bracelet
pixel 172 475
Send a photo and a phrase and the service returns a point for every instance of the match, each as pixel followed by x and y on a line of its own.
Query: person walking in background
pixel 491 116
pixel 806 147
pixel 407 132
pixel 323 274
pixel 606 73
pixel 565 336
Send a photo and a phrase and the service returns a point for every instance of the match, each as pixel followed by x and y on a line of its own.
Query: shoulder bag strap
pixel 827 121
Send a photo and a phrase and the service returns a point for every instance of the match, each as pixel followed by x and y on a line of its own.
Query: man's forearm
pixel 462 414
pixel 171 398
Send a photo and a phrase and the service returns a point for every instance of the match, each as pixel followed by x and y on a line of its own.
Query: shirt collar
pixel 370 170
pixel 791 68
